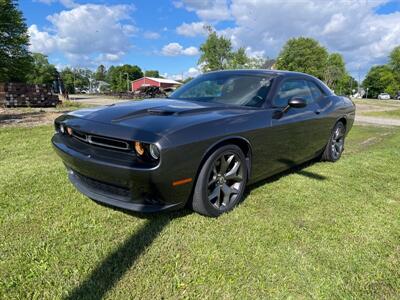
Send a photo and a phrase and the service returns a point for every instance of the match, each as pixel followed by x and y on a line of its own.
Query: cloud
pixel 175 49
pixel 192 29
pixel 86 31
pixel 151 35
pixel 191 72
pixel 66 3
pixel 209 10
pixel 351 28
pixel 41 41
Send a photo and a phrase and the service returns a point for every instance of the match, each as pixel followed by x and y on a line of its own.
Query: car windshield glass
pixel 232 89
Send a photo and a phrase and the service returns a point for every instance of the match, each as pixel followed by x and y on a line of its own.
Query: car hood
pixel 159 116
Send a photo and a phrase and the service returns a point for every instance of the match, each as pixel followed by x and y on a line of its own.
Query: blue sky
pixel 166 35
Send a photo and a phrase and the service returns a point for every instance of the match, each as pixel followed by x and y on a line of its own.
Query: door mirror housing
pixel 297 102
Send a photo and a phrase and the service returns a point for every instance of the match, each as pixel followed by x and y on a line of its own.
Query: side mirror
pixel 297 102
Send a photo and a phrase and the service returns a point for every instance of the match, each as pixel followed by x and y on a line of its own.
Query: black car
pixel 202 145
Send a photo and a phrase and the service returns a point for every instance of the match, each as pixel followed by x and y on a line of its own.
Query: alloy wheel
pixel 337 144
pixel 225 180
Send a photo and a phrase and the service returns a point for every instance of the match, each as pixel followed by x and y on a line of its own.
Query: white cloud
pixel 151 35
pixel 41 41
pixel 192 29
pixel 209 10
pixel 348 27
pixel 190 51
pixel 191 72
pixel 85 31
pixel 111 57
pixel 66 3
pixel 174 49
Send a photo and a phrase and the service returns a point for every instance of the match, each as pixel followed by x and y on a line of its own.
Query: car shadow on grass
pixel 116 264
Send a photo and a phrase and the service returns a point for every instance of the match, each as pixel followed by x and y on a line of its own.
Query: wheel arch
pixel 243 143
pixel 239 141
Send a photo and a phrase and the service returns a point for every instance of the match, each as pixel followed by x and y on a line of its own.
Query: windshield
pixel 233 89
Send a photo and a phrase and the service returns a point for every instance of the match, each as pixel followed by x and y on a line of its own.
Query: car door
pixel 323 120
pixel 293 132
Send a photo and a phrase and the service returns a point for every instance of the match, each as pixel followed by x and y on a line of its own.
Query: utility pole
pixel 127 81
pixel 120 79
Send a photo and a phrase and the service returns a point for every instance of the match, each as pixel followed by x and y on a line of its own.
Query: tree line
pixel 384 78
pixel 298 54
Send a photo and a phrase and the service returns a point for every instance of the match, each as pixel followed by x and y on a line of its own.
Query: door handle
pixel 317 112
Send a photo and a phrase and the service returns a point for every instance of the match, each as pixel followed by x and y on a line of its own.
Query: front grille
pixel 101 140
pixel 104 187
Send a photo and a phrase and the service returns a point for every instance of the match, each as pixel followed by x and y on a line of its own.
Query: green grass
pixel 392 103
pixel 335 235
pixel 391 114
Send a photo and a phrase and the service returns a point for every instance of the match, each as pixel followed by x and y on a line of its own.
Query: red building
pixel 151 81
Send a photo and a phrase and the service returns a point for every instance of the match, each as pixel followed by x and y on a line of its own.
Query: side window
pixel 315 91
pixel 290 89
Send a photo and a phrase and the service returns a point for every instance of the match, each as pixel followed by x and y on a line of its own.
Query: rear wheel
pixel 334 148
pixel 221 182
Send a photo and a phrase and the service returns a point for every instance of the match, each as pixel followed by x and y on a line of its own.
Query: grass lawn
pixel 392 114
pixel 325 231
pixel 394 103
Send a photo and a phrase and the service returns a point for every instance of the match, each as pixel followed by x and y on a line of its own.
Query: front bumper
pixel 116 183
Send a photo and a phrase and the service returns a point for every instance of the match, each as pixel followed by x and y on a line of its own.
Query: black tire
pixel 335 147
pixel 221 182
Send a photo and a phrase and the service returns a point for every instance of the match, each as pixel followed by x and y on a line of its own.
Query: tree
pixel 381 79
pixel 119 77
pixel 216 52
pixel 152 73
pixel 76 79
pixel 101 73
pixel 15 59
pixel 239 59
pixel 394 60
pixel 346 85
pixel 42 71
pixel 335 70
pixel 303 55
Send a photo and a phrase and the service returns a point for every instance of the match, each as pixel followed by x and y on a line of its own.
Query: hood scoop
pixel 161 111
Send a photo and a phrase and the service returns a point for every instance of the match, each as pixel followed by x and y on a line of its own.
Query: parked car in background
pixel 384 96
pixel 203 144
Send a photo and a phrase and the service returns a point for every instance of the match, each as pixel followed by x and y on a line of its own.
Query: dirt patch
pixel 27 117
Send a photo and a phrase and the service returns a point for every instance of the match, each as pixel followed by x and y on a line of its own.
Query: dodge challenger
pixel 203 144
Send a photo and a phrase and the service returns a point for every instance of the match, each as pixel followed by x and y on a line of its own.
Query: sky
pixel 166 35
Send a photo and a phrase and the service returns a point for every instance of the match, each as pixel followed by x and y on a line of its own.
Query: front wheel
pixel 221 182
pixel 334 149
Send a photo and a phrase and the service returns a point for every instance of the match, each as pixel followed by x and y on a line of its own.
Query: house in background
pixel 151 81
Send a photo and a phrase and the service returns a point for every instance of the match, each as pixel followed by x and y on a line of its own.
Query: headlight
pixel 154 151
pixel 139 148
pixel 147 151
pixel 62 129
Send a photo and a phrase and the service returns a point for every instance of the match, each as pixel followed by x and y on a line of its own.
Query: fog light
pixel 139 148
pixel 69 130
pixel 154 151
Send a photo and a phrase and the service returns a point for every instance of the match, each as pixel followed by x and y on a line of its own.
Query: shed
pixel 151 81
